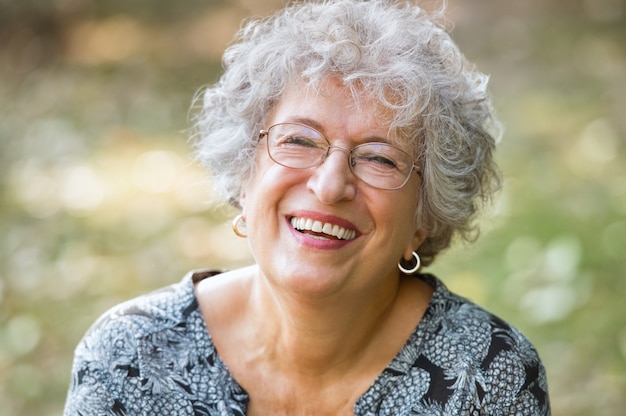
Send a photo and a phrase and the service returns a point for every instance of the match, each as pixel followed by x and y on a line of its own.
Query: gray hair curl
pixel 397 54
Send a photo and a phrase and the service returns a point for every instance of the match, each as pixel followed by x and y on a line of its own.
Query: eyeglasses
pixel 299 146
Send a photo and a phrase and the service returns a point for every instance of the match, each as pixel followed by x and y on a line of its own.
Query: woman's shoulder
pixel 147 313
pixel 476 353
pixel 462 324
pixel 165 309
pixel 149 354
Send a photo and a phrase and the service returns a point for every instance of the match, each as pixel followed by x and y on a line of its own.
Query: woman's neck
pixel 317 335
pixel 282 346
pixel 334 333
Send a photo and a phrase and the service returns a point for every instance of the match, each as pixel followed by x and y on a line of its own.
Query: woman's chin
pixel 314 283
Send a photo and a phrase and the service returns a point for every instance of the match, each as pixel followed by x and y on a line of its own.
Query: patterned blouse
pixel 154 356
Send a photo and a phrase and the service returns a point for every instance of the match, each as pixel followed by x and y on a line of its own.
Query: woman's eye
pixel 381 160
pixel 297 141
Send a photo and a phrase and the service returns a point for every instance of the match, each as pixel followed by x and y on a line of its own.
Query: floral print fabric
pixel 154 356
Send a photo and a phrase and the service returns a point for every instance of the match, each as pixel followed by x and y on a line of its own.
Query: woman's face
pixel 379 224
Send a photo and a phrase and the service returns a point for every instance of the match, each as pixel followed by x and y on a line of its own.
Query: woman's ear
pixel 417 240
pixel 241 206
pixel 242 199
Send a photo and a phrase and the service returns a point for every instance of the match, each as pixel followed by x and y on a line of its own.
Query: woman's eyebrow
pixel 305 120
pixel 318 126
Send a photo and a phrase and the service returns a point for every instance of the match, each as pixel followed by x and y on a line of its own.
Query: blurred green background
pixel 100 199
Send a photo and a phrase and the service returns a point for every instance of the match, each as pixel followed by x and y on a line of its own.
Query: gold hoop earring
pixel 239 226
pixel 418 263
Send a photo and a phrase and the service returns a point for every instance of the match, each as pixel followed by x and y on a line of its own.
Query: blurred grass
pixel 100 200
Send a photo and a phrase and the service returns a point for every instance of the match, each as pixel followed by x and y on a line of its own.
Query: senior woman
pixel 357 142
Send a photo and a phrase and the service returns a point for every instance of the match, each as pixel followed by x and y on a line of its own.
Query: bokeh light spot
pixel 23 333
pixel 596 146
pixel 81 189
pixel 548 304
pixel 155 171
pixel 34 188
pixel 562 256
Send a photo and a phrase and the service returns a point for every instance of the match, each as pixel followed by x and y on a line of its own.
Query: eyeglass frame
pixel 265 133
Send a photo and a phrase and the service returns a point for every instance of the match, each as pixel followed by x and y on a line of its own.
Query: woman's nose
pixel 333 181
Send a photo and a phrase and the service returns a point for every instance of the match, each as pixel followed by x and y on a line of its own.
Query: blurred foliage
pixel 100 199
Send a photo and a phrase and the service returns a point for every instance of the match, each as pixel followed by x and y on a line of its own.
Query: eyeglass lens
pixel 378 164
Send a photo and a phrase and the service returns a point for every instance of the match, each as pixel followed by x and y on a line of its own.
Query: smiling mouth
pixel 320 229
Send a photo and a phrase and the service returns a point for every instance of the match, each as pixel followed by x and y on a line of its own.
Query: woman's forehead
pixel 331 102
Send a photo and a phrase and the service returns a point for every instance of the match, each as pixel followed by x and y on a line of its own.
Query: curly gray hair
pixel 395 53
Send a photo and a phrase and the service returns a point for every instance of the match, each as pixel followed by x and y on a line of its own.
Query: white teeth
pixel 317 227
pixel 307 224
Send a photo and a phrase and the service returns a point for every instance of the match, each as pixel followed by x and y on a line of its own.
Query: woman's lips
pixel 317 228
